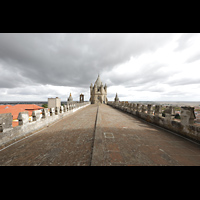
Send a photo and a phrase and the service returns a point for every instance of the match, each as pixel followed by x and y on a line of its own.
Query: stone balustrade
pixel 25 127
pixel 185 126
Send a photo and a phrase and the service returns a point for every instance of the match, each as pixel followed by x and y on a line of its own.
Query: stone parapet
pixel 9 134
pixel 185 127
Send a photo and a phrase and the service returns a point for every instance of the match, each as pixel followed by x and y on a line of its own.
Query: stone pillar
pixel 5 121
pixel 61 109
pixel 143 108
pixel 65 108
pixel 149 109
pixel 158 110
pixel 23 118
pixel 187 115
pixel 36 115
pixel 134 107
pixel 169 113
pixel 52 111
pixel 45 113
pixel 57 110
pixel 130 107
pixel 138 107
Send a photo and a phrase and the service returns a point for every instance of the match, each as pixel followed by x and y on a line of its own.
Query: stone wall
pixel 185 126
pixel 8 134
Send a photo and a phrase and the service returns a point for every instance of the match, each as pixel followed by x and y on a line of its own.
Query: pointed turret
pixel 98 81
pixel 70 99
pixel 116 98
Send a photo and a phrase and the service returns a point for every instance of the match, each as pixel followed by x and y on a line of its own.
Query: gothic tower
pixel 98 92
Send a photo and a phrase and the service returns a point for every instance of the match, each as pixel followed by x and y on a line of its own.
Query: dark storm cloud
pixel 68 59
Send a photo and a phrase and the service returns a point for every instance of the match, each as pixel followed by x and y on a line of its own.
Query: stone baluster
pixel 65 108
pixel 23 118
pixel 149 109
pixel 187 115
pixel 52 111
pixel 138 107
pixel 1 124
pixel 169 113
pixel 61 109
pixel 130 107
pixel 57 110
pixel 36 115
pixel 134 107
pixel 45 112
pixel 5 121
pixel 158 110
pixel 143 108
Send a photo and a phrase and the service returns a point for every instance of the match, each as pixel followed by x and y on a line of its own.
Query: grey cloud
pixel 45 92
pixel 185 41
pixel 70 59
pixel 148 75
pixel 184 81
pixel 193 58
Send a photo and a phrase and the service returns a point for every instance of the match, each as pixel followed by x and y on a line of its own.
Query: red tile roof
pixel 15 110
pixel 5 106
pixel 28 106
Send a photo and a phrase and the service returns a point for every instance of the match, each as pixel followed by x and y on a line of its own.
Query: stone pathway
pixel 68 142
pixel 119 139
pixel 126 140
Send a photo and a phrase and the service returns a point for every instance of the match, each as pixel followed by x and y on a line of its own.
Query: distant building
pixel 116 99
pixel 70 99
pixel 54 102
pixel 81 98
pixel 98 92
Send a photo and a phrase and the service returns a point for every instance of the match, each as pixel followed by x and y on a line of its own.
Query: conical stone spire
pixel 116 98
pixel 98 81
pixel 70 99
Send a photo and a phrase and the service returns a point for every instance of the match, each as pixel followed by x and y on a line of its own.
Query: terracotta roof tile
pixel 5 106
pixel 28 106
pixel 15 110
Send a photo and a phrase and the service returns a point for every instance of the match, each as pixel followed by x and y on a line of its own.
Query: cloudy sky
pixel 148 66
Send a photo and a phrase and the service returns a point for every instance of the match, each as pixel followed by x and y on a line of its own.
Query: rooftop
pixel 16 109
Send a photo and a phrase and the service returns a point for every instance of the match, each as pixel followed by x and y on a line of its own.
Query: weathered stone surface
pixel 187 115
pixel 149 109
pixel 57 110
pixel 65 108
pixel 61 109
pixel 45 113
pixel 119 139
pixel 23 118
pixel 98 92
pixel 36 115
pixel 5 121
pixel 126 140
pixel 68 142
pixel 158 110
pixel 25 128
pixel 52 111
pixel 167 121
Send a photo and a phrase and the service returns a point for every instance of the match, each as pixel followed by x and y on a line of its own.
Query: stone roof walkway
pixel 109 138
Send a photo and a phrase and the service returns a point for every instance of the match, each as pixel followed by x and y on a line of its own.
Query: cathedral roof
pixel 98 82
